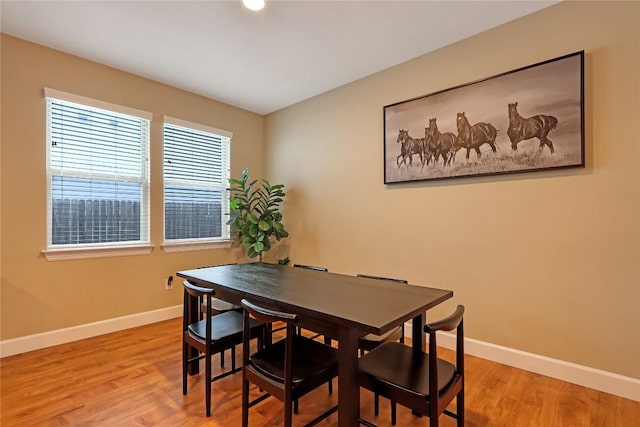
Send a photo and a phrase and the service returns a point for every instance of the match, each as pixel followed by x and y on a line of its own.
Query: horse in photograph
pixel 409 147
pixel 474 136
pixel 439 144
pixel 521 128
pixel 429 148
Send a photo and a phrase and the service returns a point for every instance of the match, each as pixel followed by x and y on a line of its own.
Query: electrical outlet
pixel 168 284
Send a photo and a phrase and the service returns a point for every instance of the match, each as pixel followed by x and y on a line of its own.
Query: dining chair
pixel 219 306
pixel 326 339
pixel 420 381
pixel 311 267
pixel 371 341
pixel 315 268
pixel 211 335
pixel 287 369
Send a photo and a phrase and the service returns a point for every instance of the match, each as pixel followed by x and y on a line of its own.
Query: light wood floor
pixel 109 381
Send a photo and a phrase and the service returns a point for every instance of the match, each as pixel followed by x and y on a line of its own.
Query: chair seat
pixel 400 365
pixel 224 326
pixel 310 358
pixel 391 335
pixel 219 306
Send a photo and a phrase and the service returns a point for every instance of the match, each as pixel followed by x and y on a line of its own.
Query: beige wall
pixel 545 262
pixel 38 295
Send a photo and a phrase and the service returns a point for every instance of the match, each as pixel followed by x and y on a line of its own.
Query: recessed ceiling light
pixel 253 4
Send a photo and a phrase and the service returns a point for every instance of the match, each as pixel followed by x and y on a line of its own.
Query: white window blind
pixel 196 175
pixel 97 175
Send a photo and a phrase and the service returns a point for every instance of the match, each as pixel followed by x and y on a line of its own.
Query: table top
pixel 369 305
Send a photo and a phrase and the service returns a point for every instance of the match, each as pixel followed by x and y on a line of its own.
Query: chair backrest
pixel 454 321
pixel 217 309
pixel 268 315
pixel 197 291
pixel 388 279
pixel 311 267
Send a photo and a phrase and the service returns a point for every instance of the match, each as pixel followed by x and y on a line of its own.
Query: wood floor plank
pixel 133 378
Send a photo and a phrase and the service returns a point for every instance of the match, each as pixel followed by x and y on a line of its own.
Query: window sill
pixel 195 246
pixel 103 252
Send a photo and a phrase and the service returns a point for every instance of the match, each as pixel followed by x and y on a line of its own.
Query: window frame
pixel 104 249
pixel 189 244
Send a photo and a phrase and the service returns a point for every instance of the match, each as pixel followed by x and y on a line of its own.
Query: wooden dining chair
pixel 315 268
pixel 421 381
pixel 211 335
pixel 287 369
pixel 371 341
pixel 311 267
pixel 219 306
pixel 327 340
pixel 215 306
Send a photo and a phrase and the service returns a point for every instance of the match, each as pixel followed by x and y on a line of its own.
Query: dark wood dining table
pixel 339 306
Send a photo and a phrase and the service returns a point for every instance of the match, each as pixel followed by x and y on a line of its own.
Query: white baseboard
pixel 61 336
pixel 597 379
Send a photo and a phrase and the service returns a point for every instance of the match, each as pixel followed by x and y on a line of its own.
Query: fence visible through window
pixel 189 220
pixel 78 221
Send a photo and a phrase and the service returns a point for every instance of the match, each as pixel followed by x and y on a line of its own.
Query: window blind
pixel 196 174
pixel 97 176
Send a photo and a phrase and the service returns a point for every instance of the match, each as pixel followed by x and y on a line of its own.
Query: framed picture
pixel 528 119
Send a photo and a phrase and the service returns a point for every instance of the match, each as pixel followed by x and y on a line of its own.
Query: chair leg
pixel 245 402
pixel 434 421
pixel 288 417
pixel 393 413
pixel 376 403
pixel 460 408
pixel 185 355
pixel 233 358
pixel 222 359
pixel 295 406
pixel 207 383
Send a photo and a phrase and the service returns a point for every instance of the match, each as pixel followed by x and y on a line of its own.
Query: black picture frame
pixel 524 120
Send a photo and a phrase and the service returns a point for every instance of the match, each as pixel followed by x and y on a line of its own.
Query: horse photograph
pixel 524 120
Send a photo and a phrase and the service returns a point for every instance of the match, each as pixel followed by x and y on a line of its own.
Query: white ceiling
pixel 258 61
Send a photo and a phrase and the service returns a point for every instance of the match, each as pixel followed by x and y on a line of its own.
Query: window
pixel 97 173
pixel 196 175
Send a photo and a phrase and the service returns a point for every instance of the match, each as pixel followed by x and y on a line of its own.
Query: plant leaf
pixel 264 226
pixel 251 253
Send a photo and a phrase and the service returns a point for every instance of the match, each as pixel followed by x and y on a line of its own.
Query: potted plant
pixel 255 216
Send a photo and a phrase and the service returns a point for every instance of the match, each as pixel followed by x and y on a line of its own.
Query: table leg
pixel 269 337
pixel 417 332
pixel 348 387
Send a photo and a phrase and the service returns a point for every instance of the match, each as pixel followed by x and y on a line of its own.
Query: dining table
pixel 339 306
